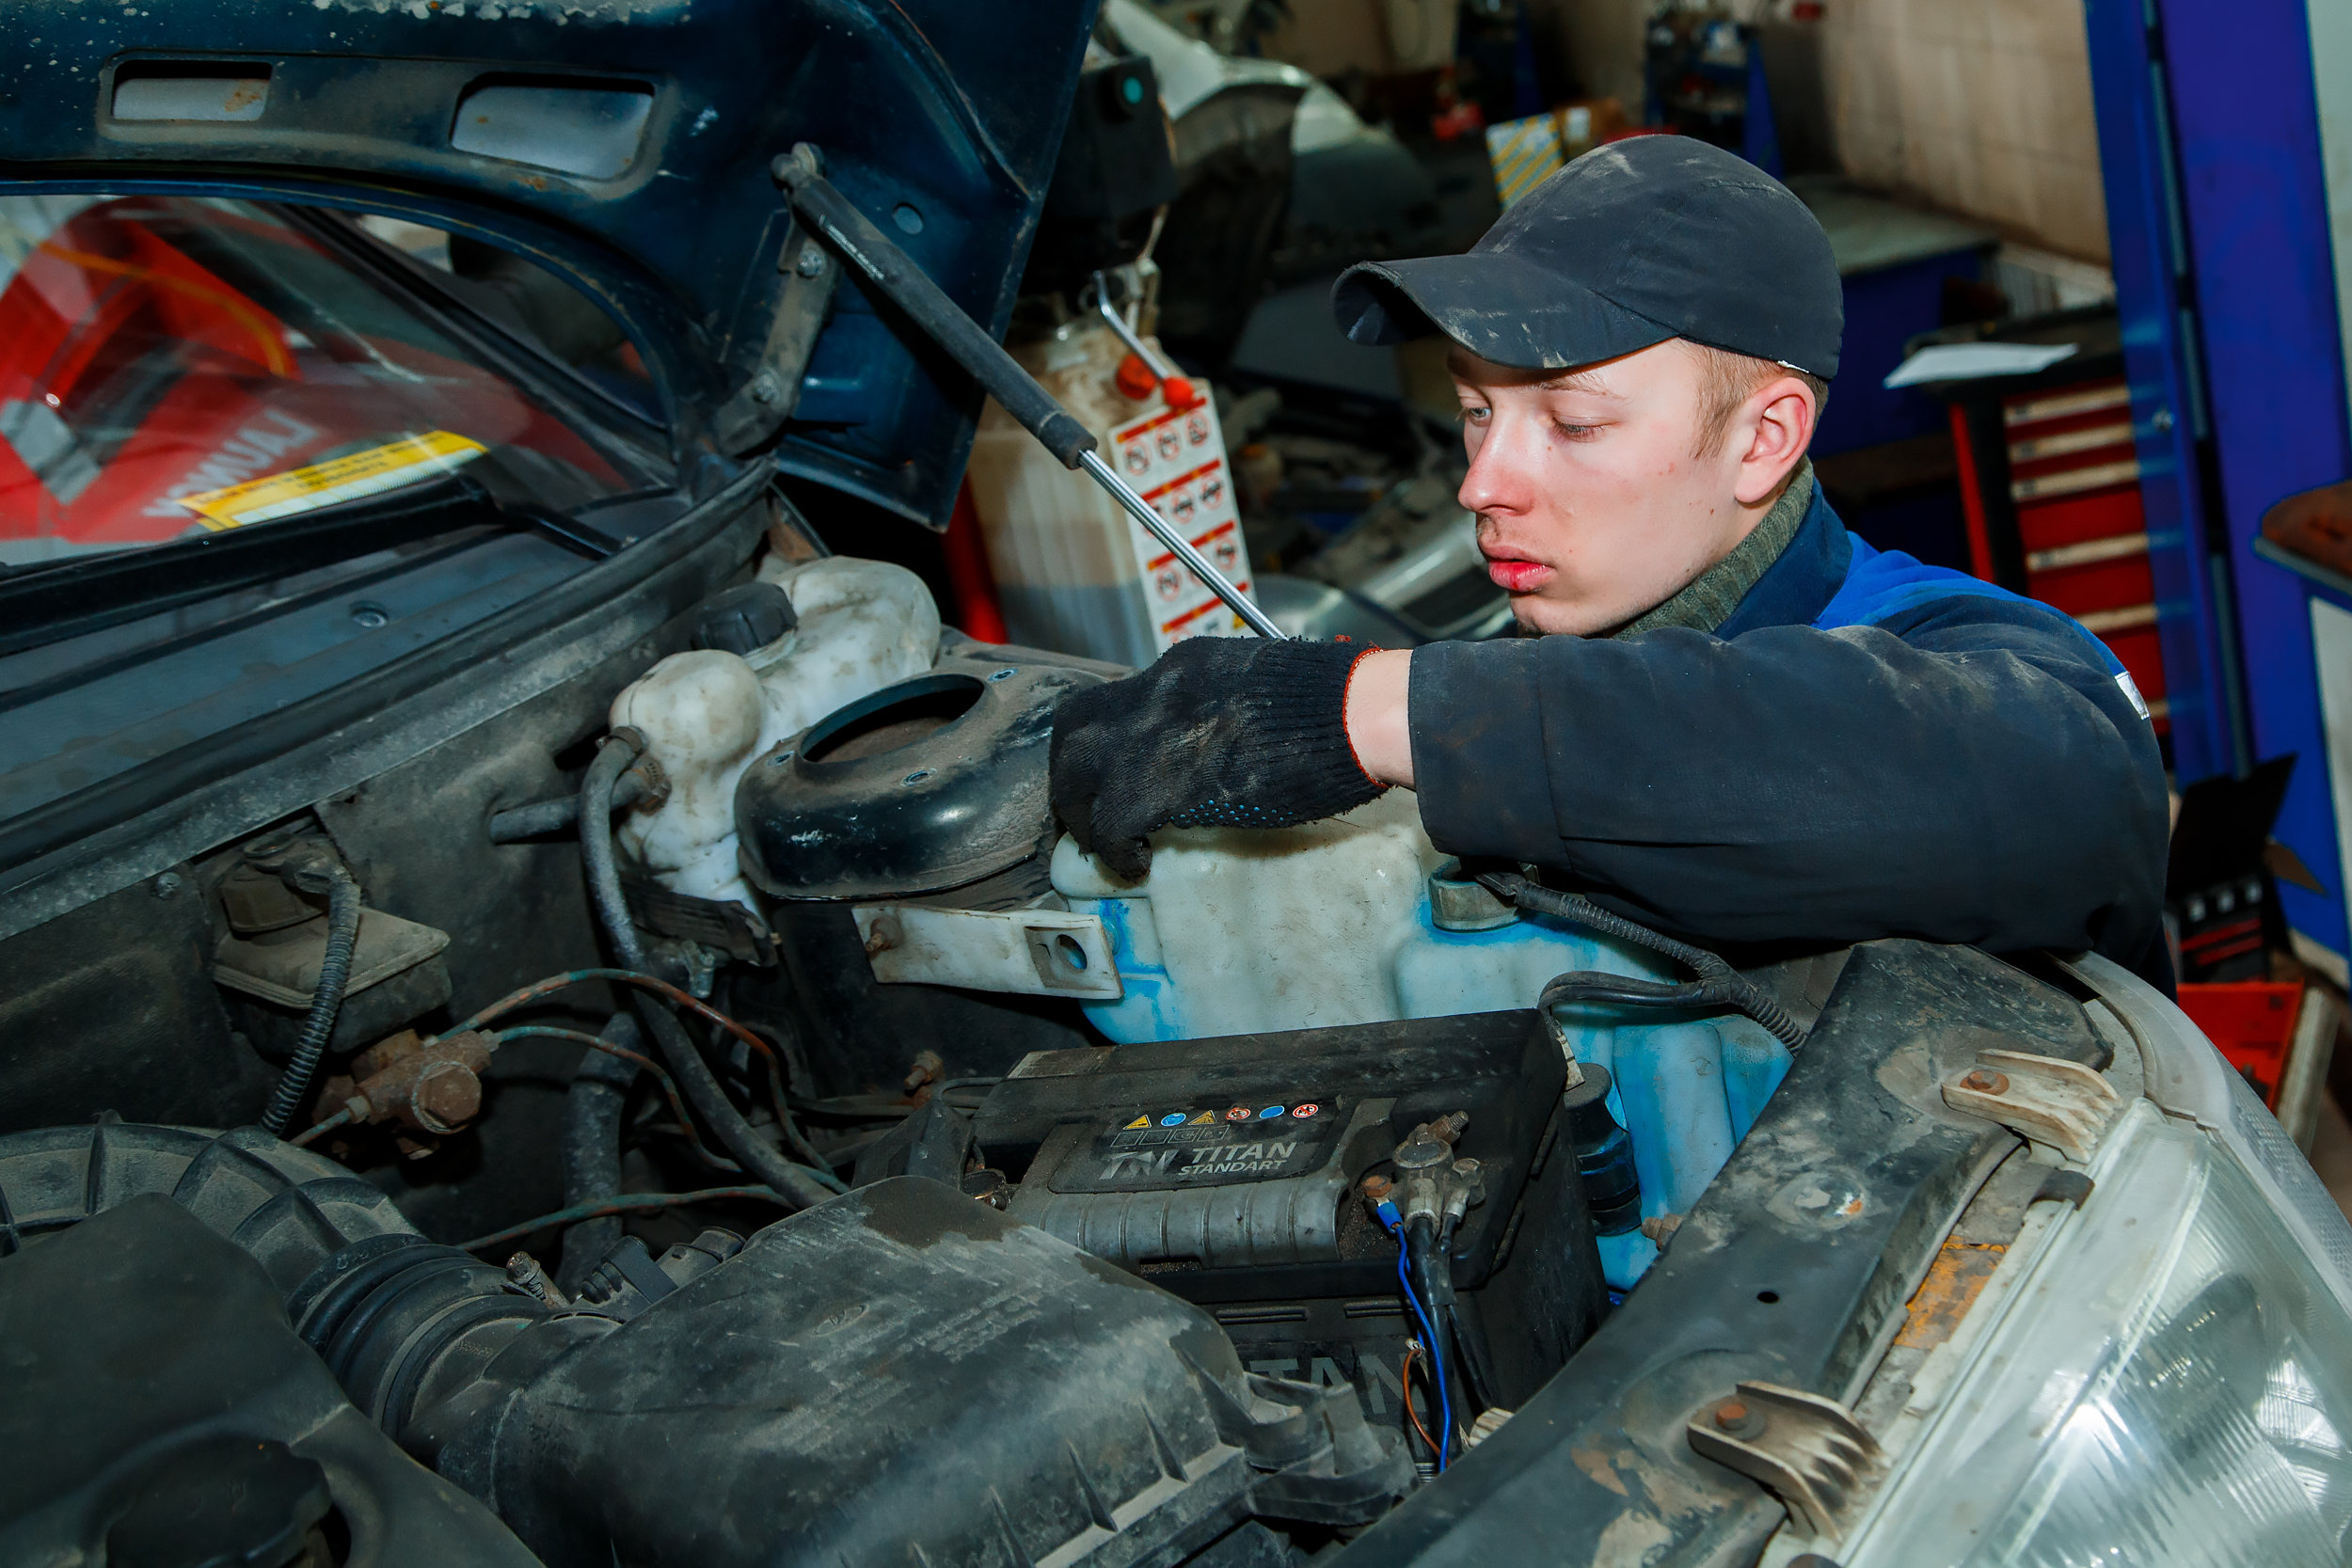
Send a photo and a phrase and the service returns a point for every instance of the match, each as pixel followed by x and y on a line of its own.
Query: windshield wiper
pixel 77 595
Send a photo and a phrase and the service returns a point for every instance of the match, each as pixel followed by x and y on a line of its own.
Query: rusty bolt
pixel 1736 1417
pixel 928 1068
pixel 429 1087
pixel 447 1096
pixel 883 935
pixel 1377 1187
pixel 1985 1081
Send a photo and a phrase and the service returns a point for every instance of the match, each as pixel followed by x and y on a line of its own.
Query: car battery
pixel 1230 1171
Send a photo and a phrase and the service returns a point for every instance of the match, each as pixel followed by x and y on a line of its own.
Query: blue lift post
pixel 2217 210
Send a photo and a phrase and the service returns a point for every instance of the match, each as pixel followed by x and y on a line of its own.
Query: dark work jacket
pixel 1868 747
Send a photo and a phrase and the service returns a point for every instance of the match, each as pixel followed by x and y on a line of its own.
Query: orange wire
pixel 626 976
pixel 554 983
pixel 1412 1349
pixel 669 1088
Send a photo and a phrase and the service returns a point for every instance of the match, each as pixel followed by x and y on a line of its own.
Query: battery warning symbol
pixel 1240 1113
pixel 1173 1119
pixel 1203 1120
pixel 1303 1111
pixel 1140 1121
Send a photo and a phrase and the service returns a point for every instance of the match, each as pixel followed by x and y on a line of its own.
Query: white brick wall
pixel 1978 106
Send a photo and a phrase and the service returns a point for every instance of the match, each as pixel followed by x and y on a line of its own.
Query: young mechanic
pixel 1731 717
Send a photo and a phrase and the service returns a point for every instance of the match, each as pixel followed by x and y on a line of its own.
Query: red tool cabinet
pixel 2049 483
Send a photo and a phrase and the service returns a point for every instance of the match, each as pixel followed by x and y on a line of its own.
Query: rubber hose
pixel 327 1000
pixel 1718 985
pixel 592 1149
pixel 700 1086
pixel 541 817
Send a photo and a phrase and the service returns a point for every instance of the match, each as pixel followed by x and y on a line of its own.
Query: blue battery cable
pixel 1387 1211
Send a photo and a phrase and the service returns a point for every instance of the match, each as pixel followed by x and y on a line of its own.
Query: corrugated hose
pixel 327 1000
pixel 1718 985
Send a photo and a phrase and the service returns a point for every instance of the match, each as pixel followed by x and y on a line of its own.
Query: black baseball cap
pixel 1634 243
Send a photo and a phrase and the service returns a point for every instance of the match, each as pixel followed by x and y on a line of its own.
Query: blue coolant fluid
pixel 1238 931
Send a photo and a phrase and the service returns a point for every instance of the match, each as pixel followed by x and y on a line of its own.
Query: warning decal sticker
pixel 406 460
pixel 1176 458
pixel 1159 1149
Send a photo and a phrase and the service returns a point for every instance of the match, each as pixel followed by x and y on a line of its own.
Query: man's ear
pixel 1778 421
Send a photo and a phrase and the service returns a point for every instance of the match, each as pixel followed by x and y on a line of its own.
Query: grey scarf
pixel 1708 599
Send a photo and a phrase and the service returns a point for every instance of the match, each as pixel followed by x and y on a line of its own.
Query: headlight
pixel 2170 1380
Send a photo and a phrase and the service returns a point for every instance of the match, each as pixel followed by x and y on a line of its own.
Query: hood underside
pixel 624 144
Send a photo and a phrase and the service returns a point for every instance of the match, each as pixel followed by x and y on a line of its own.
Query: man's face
pixel 1594 501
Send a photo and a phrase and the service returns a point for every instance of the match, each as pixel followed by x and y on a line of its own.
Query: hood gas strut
pixel 892 272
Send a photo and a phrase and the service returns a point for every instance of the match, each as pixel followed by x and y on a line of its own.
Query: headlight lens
pixel 2170 1384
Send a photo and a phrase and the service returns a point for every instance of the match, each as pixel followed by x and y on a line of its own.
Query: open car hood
pixel 624 144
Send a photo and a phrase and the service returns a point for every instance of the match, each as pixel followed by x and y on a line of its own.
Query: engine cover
pixel 905 1376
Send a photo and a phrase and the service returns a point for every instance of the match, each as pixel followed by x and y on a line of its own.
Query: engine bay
pixel 1207 1219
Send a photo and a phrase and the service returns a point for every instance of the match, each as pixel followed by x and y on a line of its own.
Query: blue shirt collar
pixel 1795 589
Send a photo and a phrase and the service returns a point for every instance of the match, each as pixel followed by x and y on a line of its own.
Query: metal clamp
pixel 1026 952
pixel 1807 1451
pixel 2061 1103
pixel 1431 1183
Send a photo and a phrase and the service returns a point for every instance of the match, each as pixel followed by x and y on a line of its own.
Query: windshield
pixel 173 365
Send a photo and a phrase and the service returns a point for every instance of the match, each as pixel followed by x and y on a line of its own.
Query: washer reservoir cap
pixel 745 619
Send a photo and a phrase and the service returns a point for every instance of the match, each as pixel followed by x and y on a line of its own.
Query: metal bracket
pixel 2061 1103
pixel 759 406
pixel 1808 1450
pixel 1026 952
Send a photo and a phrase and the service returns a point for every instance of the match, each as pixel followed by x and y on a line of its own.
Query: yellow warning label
pixel 1140 1121
pixel 360 473
pixel 1204 1116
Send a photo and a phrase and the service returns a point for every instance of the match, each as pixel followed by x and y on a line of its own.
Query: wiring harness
pixel 1718 985
pixel 1421 1209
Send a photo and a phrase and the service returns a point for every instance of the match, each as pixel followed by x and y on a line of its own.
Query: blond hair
pixel 1726 381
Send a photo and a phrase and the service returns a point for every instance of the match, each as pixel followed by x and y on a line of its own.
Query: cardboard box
pixel 1374 38
pixel 1331 37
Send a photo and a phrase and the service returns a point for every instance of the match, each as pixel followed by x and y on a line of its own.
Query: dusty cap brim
pixel 1506 310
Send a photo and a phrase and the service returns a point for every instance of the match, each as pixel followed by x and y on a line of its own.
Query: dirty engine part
pixel 902 1374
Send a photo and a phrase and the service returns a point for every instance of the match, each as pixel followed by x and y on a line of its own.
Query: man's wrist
pixel 1378 688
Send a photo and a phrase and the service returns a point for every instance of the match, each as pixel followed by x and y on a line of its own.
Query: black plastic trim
pixel 165 802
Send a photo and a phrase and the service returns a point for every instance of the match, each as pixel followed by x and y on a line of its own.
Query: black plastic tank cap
pixel 743 619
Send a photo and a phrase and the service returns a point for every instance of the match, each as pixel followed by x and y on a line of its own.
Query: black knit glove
pixel 1221 732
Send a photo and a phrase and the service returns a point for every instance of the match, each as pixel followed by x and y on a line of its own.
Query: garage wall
pixel 1981 107
pixel 1603 40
